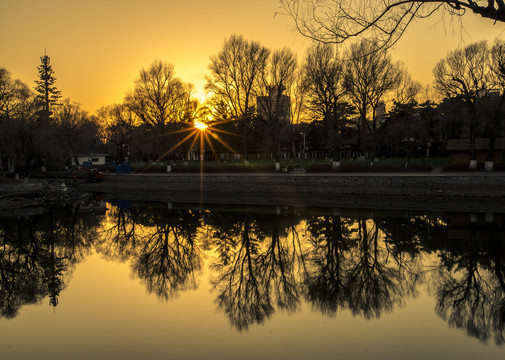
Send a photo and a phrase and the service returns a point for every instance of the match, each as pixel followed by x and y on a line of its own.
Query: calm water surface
pixel 153 281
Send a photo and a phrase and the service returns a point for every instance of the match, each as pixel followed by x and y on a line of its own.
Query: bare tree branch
pixel 385 21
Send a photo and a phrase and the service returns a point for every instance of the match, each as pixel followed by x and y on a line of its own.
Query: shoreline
pixel 460 192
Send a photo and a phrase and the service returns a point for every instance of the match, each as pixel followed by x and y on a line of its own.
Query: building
pixel 275 106
pixel 91 157
pixel 459 150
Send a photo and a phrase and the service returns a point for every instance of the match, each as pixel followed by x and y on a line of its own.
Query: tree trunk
pixel 244 138
pixel 337 147
pixel 374 134
pixel 471 128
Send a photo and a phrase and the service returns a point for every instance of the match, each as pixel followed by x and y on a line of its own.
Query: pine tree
pixel 47 93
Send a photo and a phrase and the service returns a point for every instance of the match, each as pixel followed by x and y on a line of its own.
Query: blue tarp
pixel 123 169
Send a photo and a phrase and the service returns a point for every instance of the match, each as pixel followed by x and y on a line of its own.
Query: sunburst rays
pixel 205 133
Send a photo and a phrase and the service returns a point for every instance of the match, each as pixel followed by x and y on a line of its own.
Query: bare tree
pixel 117 124
pixel 75 129
pixel 234 75
pixel 298 108
pixel 335 21
pixel 13 95
pixel 273 106
pixel 465 73
pixel 368 79
pixel 159 100
pixel 323 84
pixel 18 126
pixel 157 96
pixel 408 89
pixel 498 68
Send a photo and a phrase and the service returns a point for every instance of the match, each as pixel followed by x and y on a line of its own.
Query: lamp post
pixel 303 148
pixel 127 153
pixel 428 146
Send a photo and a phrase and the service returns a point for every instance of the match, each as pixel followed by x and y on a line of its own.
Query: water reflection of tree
pixel 160 243
pixel 256 265
pixel 20 277
pixel 469 285
pixel 326 278
pixel 374 282
pixel 169 255
pixel 355 265
pixel 37 255
pixel 119 238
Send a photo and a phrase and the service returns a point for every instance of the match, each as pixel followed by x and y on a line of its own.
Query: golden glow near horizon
pixel 98 48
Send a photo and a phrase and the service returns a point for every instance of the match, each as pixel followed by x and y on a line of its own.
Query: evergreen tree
pixel 47 93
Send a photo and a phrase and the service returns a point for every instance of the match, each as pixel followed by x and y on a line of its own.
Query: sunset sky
pixel 97 48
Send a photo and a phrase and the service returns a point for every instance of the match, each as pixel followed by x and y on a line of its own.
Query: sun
pixel 205 133
pixel 200 125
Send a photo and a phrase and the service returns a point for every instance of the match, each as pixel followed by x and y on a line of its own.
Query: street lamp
pixel 128 152
pixel 303 149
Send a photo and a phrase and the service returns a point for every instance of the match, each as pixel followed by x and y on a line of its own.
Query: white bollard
pixel 488 166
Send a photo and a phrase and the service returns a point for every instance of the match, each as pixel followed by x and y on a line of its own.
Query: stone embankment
pixel 479 192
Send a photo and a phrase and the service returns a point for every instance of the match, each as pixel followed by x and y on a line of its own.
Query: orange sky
pixel 97 48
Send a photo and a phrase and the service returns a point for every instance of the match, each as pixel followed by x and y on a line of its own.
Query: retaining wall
pixel 469 192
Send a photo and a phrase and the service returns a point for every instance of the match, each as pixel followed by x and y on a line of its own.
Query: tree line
pixel 354 101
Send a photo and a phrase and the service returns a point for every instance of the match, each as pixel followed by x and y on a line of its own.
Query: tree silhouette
pixel 17 123
pixel 368 79
pixel 117 126
pixel 274 107
pixel 75 129
pixel 465 73
pixel 47 93
pixel 159 101
pixel 323 85
pixel 234 78
pixel 498 68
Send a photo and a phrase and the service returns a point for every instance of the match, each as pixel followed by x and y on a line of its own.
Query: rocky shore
pixel 32 197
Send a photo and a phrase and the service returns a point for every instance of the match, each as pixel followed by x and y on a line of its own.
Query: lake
pixel 131 280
